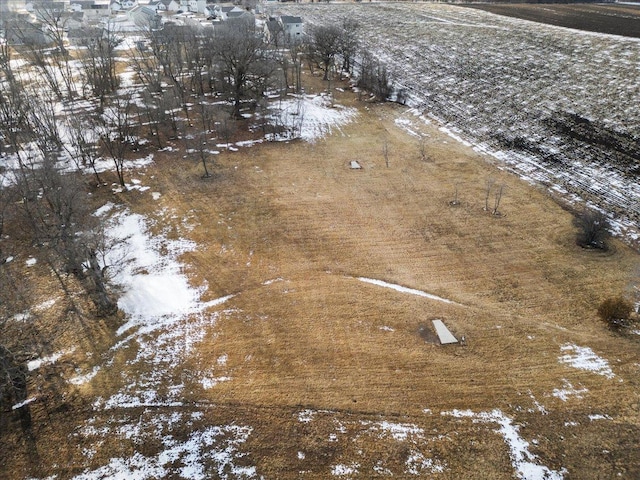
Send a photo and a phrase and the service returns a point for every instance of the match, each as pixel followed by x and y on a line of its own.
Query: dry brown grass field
pixel 288 228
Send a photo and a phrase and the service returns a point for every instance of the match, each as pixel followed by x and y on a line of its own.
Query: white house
pixel 213 10
pixel 168 5
pixel 157 5
pixel 197 6
pixel 40 8
pixel 119 5
pixel 293 28
pixel 90 8
pixel 144 16
pixel 235 11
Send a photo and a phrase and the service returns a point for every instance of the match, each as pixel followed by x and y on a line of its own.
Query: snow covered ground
pixel 310 117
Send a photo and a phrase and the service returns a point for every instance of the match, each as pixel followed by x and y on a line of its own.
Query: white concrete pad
pixel 443 332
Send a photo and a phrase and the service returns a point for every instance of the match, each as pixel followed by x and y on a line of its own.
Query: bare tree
pixel 169 104
pixel 323 46
pixel 375 78
pixel 61 221
pixel 296 50
pixel 197 57
pixel 81 144
pixel 169 45
pixel 117 132
pixel 225 127
pixel 154 114
pixel 13 378
pixel 243 63
pixel 15 111
pixel 455 202
pixel 199 144
pixel 489 186
pixel 147 67
pixel 385 152
pixel 277 37
pixel 348 43
pixel 422 149
pixel 43 121
pixel 99 61
pixel 497 199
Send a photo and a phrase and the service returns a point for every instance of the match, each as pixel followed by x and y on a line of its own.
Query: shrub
pixel 615 312
pixel 593 229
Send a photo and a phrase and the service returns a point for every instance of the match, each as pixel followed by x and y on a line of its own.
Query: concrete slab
pixel 443 332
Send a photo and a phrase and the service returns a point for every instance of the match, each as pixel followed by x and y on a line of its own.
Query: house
pixel 43 9
pixel 119 5
pixel 74 21
pixel 242 16
pixel 19 30
pixel 80 5
pixel 90 8
pixel 212 11
pixel 292 27
pixel 197 6
pixel 144 16
pixel 168 5
pixel 225 10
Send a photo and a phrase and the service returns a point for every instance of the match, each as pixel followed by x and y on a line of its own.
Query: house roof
pixel 143 9
pixel 290 19
pixel 236 14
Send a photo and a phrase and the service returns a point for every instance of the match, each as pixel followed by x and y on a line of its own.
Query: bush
pixel 593 229
pixel 615 312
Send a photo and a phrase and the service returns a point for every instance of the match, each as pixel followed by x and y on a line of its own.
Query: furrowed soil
pixel 318 363
pixel 614 19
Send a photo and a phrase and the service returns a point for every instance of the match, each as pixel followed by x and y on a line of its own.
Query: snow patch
pixel 306 416
pixel 400 288
pixel 583 358
pixel 209 453
pixel 599 416
pixel 398 431
pixel 568 391
pixel 311 117
pixel 341 469
pixel 417 464
pixel 35 364
pixel 22 404
pixel 208 383
pixel 523 461
pixel 155 288
pixel 87 377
